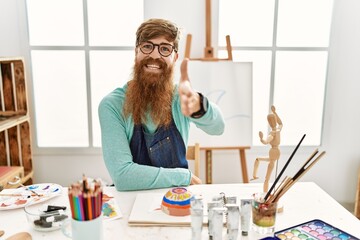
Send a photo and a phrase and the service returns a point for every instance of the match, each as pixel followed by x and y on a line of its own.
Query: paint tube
pixel 245 216
pixel 219 198
pixel 197 216
pixel 217 222
pixel 211 206
pixel 223 199
pixel 233 220
pixel 231 200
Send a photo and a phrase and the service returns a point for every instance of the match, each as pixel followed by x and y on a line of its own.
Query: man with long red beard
pixel 145 124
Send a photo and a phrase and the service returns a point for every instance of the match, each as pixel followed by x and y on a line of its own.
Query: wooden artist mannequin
pixel 273 139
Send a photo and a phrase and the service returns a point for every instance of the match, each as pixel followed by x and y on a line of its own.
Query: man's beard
pixel 150 92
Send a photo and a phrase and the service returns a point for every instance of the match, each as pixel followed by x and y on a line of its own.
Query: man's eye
pixel 147 47
pixel 165 49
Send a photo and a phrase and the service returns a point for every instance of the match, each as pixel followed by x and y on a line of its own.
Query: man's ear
pixel 176 56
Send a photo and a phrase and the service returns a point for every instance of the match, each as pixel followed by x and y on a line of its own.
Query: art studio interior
pixel 261 97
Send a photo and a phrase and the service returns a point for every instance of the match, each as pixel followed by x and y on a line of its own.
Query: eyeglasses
pixel 164 49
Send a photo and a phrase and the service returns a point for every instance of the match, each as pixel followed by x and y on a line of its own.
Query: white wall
pixel 336 173
pixel 9 29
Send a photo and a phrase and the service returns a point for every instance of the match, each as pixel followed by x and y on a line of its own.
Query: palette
pixel 20 197
pixel 313 230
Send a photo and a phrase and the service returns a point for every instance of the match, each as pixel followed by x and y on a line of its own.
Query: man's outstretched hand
pixel 189 99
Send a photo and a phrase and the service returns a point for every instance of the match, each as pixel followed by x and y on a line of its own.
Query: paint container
pixel 245 216
pixel 233 220
pixel 217 222
pixel 219 198
pixel 223 199
pixel 314 229
pixel 197 217
pixel 211 206
pixel 231 200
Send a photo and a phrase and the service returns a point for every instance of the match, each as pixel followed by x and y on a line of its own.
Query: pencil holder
pixel 80 230
pixel 86 209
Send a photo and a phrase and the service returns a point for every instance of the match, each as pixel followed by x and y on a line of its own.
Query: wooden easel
pixel 208 50
pixel 208 156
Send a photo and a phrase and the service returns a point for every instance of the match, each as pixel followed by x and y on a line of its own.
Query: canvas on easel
pixel 229 85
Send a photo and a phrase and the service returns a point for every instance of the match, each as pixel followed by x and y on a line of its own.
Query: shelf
pixel 6 123
pixel 15 137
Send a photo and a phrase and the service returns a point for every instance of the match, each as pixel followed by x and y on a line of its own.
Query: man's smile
pixel 152 67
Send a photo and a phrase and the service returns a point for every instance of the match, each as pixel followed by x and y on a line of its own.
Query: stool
pixel 208 157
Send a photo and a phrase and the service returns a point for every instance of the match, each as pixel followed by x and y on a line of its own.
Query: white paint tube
pixel 197 216
pixel 211 206
pixel 245 216
pixel 233 220
pixel 217 222
pixel 232 199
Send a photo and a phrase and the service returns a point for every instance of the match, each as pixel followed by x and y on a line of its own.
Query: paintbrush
pixel 20 195
pixel 306 163
pixel 28 189
pixel 282 185
pixel 18 181
pixel 283 169
pixel 287 181
pixel 300 173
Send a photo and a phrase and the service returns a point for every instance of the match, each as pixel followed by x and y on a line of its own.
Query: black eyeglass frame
pixel 158 46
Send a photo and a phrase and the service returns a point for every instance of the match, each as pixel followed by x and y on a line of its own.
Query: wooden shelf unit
pixel 15 137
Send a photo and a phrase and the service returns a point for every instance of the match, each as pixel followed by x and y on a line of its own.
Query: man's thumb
pixel 184 70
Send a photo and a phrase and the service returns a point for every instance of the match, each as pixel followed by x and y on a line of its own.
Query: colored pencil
pixel 71 203
pixel 89 207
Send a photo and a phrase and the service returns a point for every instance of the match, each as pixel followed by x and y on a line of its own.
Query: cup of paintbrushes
pixel 263 214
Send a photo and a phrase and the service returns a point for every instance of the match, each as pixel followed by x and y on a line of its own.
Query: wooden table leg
pixel 208 154
pixel 243 166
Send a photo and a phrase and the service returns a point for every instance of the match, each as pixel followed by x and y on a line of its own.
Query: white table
pixel 303 202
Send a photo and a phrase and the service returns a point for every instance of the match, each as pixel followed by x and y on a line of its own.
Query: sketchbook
pixel 147 211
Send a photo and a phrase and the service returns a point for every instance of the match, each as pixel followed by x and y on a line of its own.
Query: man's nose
pixel 155 53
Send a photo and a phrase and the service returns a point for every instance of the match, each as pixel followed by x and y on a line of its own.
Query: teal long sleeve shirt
pixel 116 134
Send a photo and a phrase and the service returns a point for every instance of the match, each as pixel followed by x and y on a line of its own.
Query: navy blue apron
pixel 166 148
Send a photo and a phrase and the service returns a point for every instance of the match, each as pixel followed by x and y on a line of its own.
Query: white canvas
pixel 229 85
